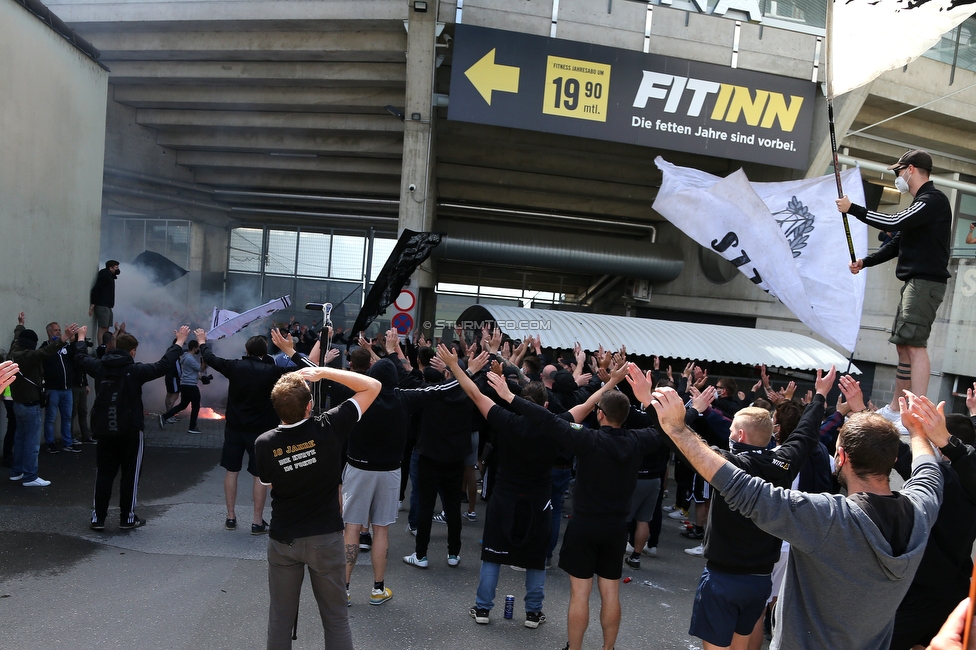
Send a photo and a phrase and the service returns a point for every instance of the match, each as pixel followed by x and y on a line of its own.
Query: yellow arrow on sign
pixel 486 76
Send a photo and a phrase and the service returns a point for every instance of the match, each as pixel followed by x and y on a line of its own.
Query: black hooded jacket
pixel 446 421
pixel 103 292
pixel 116 362
pixel 733 543
pixel 249 407
pixel 377 441
pixel 59 372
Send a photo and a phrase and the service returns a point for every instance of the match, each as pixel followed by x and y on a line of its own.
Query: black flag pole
pixel 840 188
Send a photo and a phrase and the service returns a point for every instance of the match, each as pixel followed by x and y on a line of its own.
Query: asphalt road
pixel 183 582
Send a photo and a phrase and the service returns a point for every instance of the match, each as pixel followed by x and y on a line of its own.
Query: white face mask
pixel 901 184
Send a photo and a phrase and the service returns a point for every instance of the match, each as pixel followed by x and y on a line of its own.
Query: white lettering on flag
pixel 787 238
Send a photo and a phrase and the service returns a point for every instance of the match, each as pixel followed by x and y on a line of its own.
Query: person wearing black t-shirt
pixel 301 460
pixel 606 475
pixel 517 522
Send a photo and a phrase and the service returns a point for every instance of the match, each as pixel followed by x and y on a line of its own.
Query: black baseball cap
pixel 916 157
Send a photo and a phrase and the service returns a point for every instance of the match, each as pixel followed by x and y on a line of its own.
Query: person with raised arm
pixel 301 461
pixel 852 558
pixel 606 475
pixel 118 419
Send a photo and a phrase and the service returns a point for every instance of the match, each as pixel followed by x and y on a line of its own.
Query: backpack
pixel 111 412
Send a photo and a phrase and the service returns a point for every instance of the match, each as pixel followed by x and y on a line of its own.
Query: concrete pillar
pixel 846 108
pixel 418 192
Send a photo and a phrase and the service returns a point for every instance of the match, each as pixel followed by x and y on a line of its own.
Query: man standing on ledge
pixel 922 248
pixel 102 297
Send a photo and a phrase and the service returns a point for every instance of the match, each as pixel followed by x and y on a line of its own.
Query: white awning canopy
pixel 673 339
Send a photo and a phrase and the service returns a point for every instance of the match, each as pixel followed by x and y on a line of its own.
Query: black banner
pixel 558 86
pixel 410 252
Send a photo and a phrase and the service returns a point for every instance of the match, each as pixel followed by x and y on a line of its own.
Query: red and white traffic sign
pixel 405 301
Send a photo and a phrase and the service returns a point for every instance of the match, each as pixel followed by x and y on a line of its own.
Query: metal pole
pixel 840 188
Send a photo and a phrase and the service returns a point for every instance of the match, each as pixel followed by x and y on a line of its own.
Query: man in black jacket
pixel 102 297
pixel 736 581
pixel 124 449
pixel 922 247
pixel 26 394
pixel 58 383
pixel 249 414
pixel 443 444
pixel 605 479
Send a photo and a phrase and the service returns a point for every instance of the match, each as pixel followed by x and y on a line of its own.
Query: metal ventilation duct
pixel 558 251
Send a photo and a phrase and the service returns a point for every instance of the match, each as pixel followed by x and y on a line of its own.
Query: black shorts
pixel 701 491
pixel 235 444
pixel 590 547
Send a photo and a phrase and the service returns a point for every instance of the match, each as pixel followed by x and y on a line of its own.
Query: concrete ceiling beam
pixel 320 74
pixel 887 152
pixel 272 98
pixel 516 157
pixel 256 141
pixel 501 178
pixel 365 24
pixel 165 118
pixel 292 181
pixel 116 11
pixel 252 46
pixel 924 83
pixel 451 191
pixel 914 127
pixel 324 164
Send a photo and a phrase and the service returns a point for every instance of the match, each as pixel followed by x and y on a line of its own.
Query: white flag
pixel 226 323
pixel 788 238
pixel 866 38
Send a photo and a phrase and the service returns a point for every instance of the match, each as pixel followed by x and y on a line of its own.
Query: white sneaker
pixel 698 551
pixel 650 551
pixel 38 482
pixel 894 417
pixel 17 477
pixel 415 561
pixel 679 513
pixel 629 549
pixel 452 560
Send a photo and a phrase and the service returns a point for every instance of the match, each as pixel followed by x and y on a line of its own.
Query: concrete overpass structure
pixel 281 116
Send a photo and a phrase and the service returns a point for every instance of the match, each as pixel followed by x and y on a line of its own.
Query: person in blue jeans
pixel 517 521
pixel 518 518
pixel 26 394
pixel 58 378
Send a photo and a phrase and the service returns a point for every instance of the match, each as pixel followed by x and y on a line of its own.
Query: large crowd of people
pixel 802 536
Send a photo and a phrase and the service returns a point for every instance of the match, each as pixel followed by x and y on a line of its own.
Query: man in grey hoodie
pixel 852 558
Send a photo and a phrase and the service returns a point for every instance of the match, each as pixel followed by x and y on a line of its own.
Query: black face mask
pixel 118 272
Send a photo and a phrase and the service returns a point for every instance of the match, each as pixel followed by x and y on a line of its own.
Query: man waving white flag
pixel 785 237
pixel 866 38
